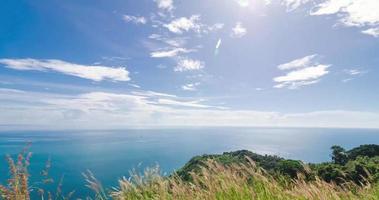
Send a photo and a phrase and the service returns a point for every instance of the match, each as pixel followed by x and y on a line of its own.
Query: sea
pixel 113 154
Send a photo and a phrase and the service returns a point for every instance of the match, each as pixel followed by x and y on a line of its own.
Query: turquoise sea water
pixel 112 154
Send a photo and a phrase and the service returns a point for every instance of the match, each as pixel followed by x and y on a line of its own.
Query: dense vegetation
pixel 360 165
pixel 239 175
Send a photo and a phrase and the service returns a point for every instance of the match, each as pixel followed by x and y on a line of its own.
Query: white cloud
pixel 92 72
pixel 330 7
pixel 190 86
pixel 103 110
pixel 354 12
pixel 153 94
pixel 170 53
pixel 165 4
pixel 134 19
pixel 184 24
pixel 372 31
pixel 298 63
pixel 155 36
pixel 172 41
pixel 354 72
pixel 294 4
pixel 290 5
pixel 302 77
pixel 347 80
pixel 305 74
pixel 295 85
pixel 216 27
pixel 359 13
pixel 190 104
pixel 239 30
pixel 189 65
pixel 305 71
pixel 134 85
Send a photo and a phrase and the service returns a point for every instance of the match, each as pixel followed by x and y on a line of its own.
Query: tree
pixel 291 168
pixel 339 155
pixel 369 150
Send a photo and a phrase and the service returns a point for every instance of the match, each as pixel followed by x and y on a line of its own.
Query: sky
pixel 101 64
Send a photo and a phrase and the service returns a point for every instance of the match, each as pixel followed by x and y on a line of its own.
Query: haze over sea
pixel 112 154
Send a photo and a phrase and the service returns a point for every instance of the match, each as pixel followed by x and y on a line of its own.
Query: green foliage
pixel 363 169
pixel 339 155
pixel 267 162
pixel 359 165
pixel 290 168
pixel 369 150
pixel 330 172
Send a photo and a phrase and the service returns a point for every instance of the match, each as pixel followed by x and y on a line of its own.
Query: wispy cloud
pixel 134 85
pixel 294 4
pixel 190 104
pixel 170 53
pixel 353 74
pixel 353 13
pixel 305 71
pixel 216 27
pixel 190 86
pixel 372 31
pixel 298 63
pixel 104 110
pixel 171 41
pixel 186 64
pixel 92 72
pixel 185 24
pixel 358 13
pixel 134 19
pixel 165 4
pixel 153 94
pixel 238 30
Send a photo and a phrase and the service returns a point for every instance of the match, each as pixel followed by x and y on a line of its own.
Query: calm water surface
pixel 112 154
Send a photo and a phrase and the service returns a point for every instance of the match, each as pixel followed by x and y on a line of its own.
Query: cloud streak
pixel 305 71
pixel 91 72
pixel 372 31
pixel 104 110
pixel 134 19
pixel 190 86
pixel 189 65
pixel 170 53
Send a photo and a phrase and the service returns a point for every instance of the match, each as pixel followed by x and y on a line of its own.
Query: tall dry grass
pixel 236 182
pixel 18 186
pixel 214 182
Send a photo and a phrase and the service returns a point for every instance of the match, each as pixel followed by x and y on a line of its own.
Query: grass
pixel 214 181
pixel 236 182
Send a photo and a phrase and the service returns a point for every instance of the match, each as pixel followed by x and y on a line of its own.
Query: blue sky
pixel 104 64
